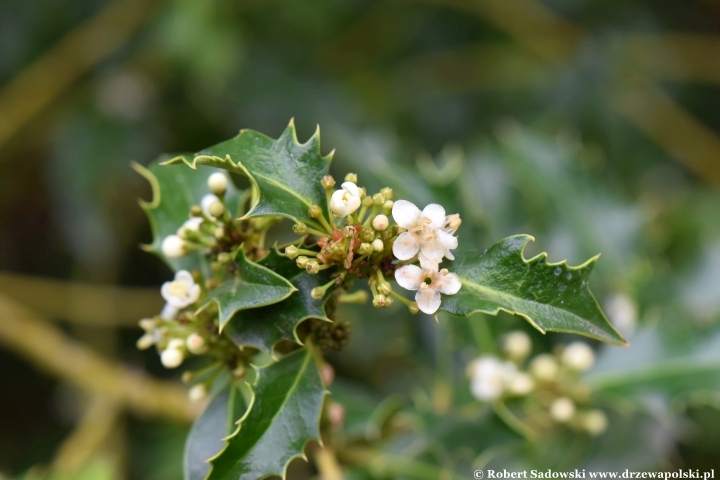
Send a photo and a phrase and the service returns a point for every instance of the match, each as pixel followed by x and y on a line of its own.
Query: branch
pixel 49 349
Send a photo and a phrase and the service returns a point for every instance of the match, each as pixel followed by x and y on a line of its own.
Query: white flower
pixel 172 356
pixel 429 284
pixel 426 234
pixel 380 223
pixel 562 409
pixel 489 377
pixel 544 367
pixel 520 384
pixel 191 224
pixel 517 345
pixel 578 356
pixel 346 200
pixel 179 293
pixel 594 422
pixel 197 392
pixel 217 182
pixel 174 247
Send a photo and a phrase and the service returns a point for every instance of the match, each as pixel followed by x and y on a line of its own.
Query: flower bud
pixel 224 258
pixel 351 177
pixel 315 211
pixel 367 235
pixel 291 252
pixel 367 202
pixel 517 345
pixel 387 206
pixel 384 288
pixel 219 233
pixel 299 228
pixel 520 384
pixel 197 392
pixel 562 410
pixel 147 324
pixel 174 247
pixel 217 182
pixel 317 293
pixel 196 211
pixel 327 182
pixel 312 267
pixel 145 342
pixel 336 414
pixel 378 199
pixel 414 308
pixel 363 193
pixel 349 231
pixel 365 249
pixel 380 222
pixel 187 377
pixel 302 261
pixel 327 374
pixel 378 245
pixel 578 356
pixel 171 357
pixel 381 301
pixel 594 422
pixel 388 193
pixel 544 367
pixel 339 249
pixel 216 209
pixel 196 344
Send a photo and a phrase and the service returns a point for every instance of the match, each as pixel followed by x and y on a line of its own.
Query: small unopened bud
pixel 453 222
pixel 187 377
pixel 594 422
pixel 365 249
pixel 414 308
pixel 196 344
pixel 382 301
pixel 367 235
pixel 328 182
pixel 339 249
pixel 171 357
pixel 196 211
pixel 351 177
pixel 317 293
pixel 312 267
pixel 217 182
pixel 327 374
pixel 367 202
pixel 216 209
pixel 197 392
pixel 174 247
pixel 388 193
pixel 387 206
pixel 521 384
pixel 219 233
pixel 147 324
pixel 380 222
pixel 378 245
pixel 544 367
pixel 385 288
pixel 562 409
pixel 349 231
pixel 299 228
pixel 291 252
pixel 302 261
pixel 578 356
pixel 224 258
pixel 363 193
pixel 145 342
pixel 517 345
pixel 336 414
pixel 315 211
pixel 378 199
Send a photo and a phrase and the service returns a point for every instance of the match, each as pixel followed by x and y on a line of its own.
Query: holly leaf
pixel 262 328
pixel 252 286
pixel 208 433
pixel 285 173
pixel 175 189
pixel 552 297
pixel 283 417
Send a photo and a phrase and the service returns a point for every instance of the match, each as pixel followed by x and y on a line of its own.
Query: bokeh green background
pixel 592 125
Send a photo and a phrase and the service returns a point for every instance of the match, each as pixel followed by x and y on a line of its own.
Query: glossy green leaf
pixel 552 297
pixel 208 433
pixel 284 416
pixel 285 173
pixel 264 327
pixel 252 286
pixel 176 189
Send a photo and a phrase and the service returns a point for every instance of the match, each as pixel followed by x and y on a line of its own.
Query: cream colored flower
pixel 426 234
pixel 180 293
pixel 578 356
pixel 429 283
pixel 346 200
pixel 174 247
pixel 489 377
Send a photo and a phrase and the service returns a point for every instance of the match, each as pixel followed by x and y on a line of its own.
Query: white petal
pixel 449 284
pixel 409 277
pixel 166 292
pixel 433 249
pixel 205 203
pixel 195 294
pixel 353 204
pixel 406 246
pixel 428 300
pixel 185 277
pixel 192 224
pixel 436 214
pixel 352 188
pixel 448 240
pixel 405 213
pixel 431 262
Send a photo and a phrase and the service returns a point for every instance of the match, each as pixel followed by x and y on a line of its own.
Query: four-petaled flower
pixel 346 200
pixel 180 293
pixel 427 233
pixel 429 283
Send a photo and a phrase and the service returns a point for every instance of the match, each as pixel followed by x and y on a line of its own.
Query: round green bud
pixel 351 177
pixel 312 267
pixel 349 231
pixel 315 211
pixel 385 288
pixel 216 209
pixel 302 261
pixel 219 233
pixel 299 228
pixel 317 293
pixel 291 251
pixel 414 308
pixel 378 245
pixel 387 206
pixel 378 199
pixel 387 192
pixel 365 249
pixel 367 202
pixel 328 182
pixel 196 211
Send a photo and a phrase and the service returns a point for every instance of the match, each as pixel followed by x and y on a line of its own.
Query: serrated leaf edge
pixel 539 257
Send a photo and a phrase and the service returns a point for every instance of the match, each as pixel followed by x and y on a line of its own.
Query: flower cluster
pixel 548 384
pixel 359 239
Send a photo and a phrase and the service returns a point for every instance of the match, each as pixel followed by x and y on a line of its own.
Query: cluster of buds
pixel 548 384
pixel 358 238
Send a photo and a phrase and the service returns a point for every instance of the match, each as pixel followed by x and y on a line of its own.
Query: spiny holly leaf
pixel 208 433
pixel 552 297
pixel 252 286
pixel 286 174
pixel 176 189
pixel 264 327
pixel 284 416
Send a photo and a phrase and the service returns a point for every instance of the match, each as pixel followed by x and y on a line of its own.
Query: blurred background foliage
pixel 592 125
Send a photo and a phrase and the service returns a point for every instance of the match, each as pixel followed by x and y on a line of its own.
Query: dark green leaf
pixel 264 327
pixel 285 173
pixel 552 297
pixel 284 416
pixel 208 433
pixel 175 190
pixel 252 286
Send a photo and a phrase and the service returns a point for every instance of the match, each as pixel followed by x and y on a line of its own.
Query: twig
pixel 48 348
